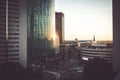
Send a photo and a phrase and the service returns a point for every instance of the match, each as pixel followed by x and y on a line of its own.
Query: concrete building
pixel 27 30
pixel 101 51
pixel 13 26
pixel 23 33
pixel 9 31
pixel 60 26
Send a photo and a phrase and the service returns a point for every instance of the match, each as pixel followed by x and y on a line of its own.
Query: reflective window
pixel 41 27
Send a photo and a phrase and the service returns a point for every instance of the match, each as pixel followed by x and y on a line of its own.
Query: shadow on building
pixel 98 70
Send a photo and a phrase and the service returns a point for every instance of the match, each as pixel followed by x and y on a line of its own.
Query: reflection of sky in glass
pixel 41 27
pixel 86 18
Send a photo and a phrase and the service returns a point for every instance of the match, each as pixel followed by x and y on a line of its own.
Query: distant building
pixel 57 44
pixel 94 38
pixel 84 43
pixel 100 51
pixel 60 26
pixel 105 42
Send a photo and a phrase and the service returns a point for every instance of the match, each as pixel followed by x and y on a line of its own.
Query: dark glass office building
pixel 59 19
pixel 41 28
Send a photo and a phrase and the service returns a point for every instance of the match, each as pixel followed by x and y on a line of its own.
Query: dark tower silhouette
pixel 94 38
pixel 60 26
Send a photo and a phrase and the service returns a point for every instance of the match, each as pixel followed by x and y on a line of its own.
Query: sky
pixel 86 18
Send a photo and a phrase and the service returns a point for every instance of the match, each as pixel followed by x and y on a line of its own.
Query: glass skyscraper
pixel 40 27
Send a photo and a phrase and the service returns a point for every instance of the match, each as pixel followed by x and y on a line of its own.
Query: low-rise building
pixel 101 51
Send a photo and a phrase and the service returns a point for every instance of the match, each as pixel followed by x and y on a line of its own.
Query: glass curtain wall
pixel 41 27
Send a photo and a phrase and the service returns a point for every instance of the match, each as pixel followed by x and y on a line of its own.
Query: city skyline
pixel 86 18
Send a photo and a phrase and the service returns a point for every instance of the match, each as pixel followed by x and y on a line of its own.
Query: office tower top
pixel 60 26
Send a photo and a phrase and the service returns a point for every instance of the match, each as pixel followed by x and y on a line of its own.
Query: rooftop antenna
pixel 94 38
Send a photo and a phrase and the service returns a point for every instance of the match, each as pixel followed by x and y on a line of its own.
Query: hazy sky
pixel 86 18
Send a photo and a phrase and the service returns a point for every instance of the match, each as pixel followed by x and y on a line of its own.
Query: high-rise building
pixel 41 28
pixel 9 31
pixel 27 30
pixel 60 26
pixel 23 32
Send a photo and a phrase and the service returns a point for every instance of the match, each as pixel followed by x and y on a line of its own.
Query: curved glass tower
pixel 41 27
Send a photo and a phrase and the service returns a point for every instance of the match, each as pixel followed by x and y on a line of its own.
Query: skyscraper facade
pixel 60 26
pixel 9 31
pixel 27 30
pixel 40 28
pixel 23 33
